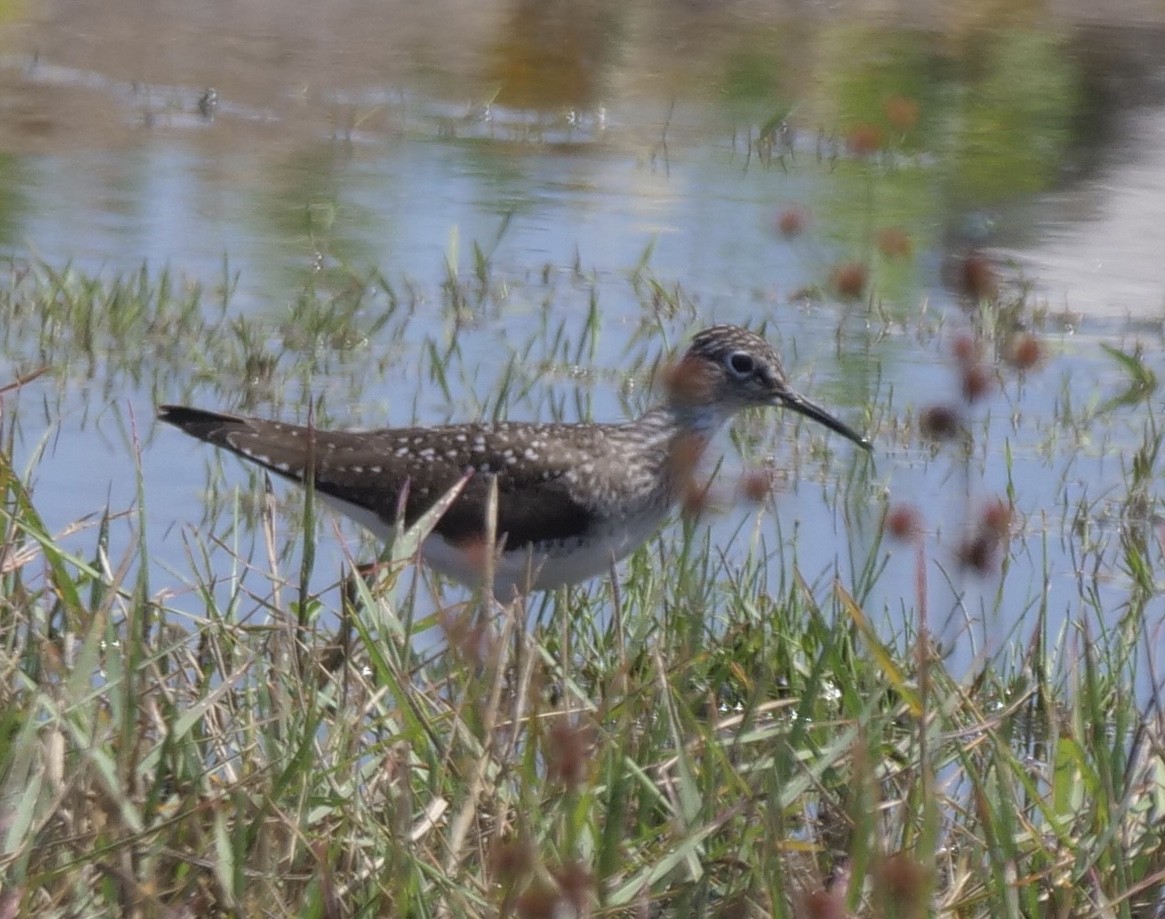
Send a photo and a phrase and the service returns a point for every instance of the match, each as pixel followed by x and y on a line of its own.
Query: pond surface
pixel 570 190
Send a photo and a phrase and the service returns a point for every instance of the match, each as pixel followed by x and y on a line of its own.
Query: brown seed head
pixel 849 280
pixel 568 748
pixel 1024 351
pixel 475 551
pixel 901 112
pixel 822 904
pixel 512 861
pixel 904 522
pixel 982 549
pixel 757 484
pixel 996 518
pixel 577 885
pixel 468 636
pixel 977 277
pixel 940 422
pixel 904 883
pixel 695 500
pixel 977 552
pixel 864 139
pixel 539 901
pixel 792 221
pixel 966 349
pixel 683 461
pixel 894 242
pixel 977 382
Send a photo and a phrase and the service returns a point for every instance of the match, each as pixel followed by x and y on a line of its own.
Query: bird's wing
pixel 370 469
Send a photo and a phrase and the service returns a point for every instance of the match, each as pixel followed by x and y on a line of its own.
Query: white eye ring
pixel 741 363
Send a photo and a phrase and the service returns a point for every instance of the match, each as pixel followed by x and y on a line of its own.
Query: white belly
pixel 521 571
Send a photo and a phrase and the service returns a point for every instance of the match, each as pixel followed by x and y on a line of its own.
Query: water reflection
pixel 558 55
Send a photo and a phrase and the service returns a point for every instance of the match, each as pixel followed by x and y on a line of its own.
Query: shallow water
pixel 592 150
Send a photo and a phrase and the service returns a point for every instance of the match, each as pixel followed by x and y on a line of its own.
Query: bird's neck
pixel 676 428
pixel 701 420
pixel 675 438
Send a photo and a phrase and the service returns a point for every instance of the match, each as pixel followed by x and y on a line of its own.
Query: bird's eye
pixel 741 363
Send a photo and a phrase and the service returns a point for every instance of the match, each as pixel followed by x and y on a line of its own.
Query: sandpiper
pixel 572 499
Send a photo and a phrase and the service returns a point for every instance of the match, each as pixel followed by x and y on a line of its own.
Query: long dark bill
pixel 803 406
